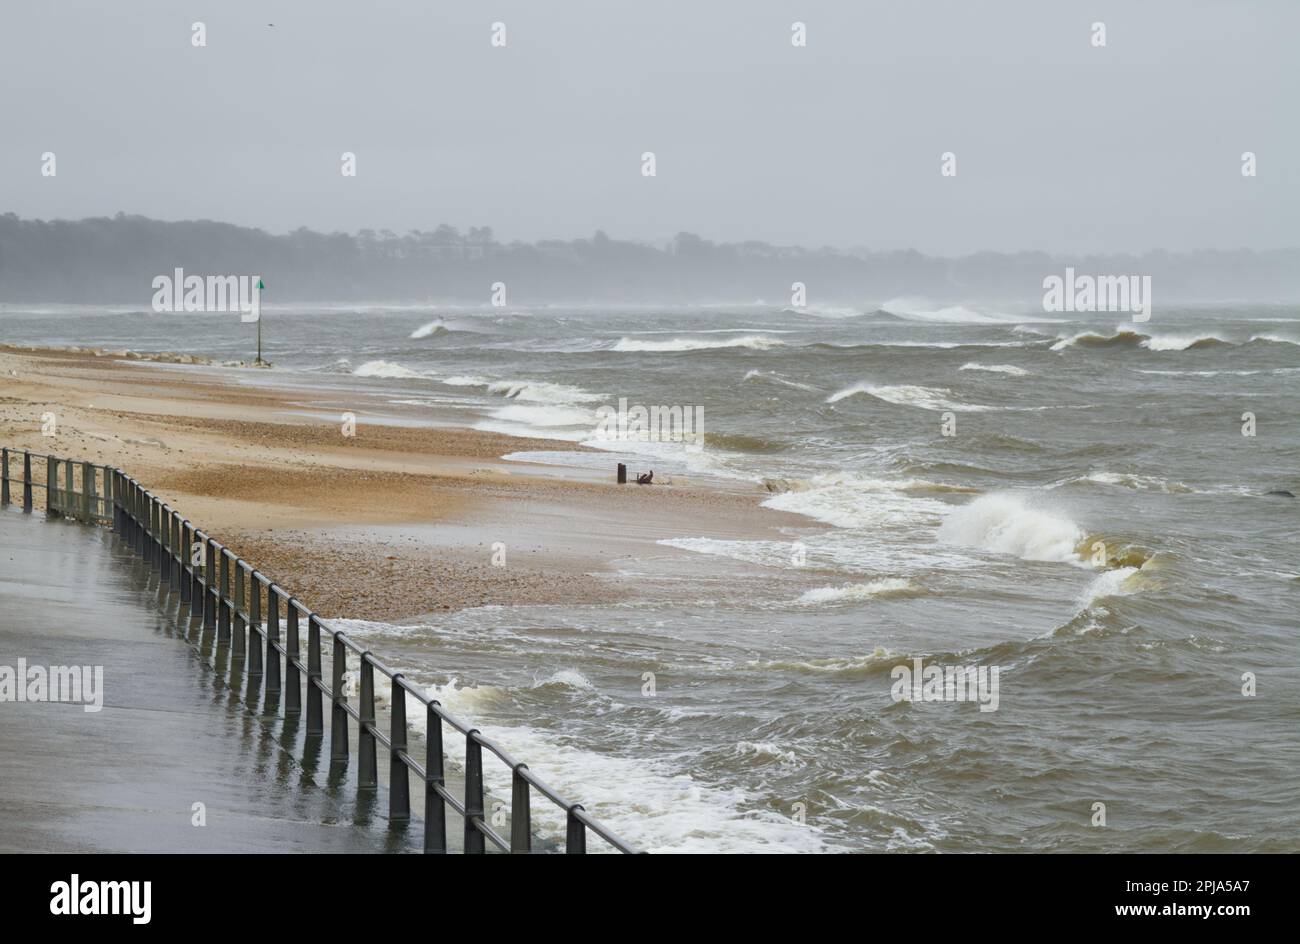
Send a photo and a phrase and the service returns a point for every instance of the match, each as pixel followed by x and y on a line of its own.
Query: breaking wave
pixel 386 369
pixel 771 376
pixel 756 342
pixel 1182 343
pixel 927 398
pixel 1134 481
pixel 1111 583
pixel 911 309
pixel 996 369
pixel 540 391
pixel 856 592
pixel 850 501
pixel 1128 338
pixel 1004 523
pixel 424 331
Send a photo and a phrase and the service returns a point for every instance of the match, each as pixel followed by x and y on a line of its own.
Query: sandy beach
pixel 394 521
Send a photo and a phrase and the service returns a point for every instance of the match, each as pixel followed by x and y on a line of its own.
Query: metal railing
pixel 200 569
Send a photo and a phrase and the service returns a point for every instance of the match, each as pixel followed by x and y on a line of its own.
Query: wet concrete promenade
pixel 181 724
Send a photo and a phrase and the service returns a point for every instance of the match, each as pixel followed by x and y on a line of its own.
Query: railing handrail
pixel 159 534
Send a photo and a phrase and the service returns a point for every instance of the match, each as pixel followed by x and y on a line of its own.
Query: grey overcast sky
pixel 1060 146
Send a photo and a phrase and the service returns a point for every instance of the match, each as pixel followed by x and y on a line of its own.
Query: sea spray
pixel 1004 523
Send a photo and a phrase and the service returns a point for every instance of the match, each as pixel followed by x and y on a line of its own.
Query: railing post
pixel 210 585
pixel 292 678
pixel 197 594
pixel 27 484
pixel 435 807
pixel 399 776
pixel 4 477
pixel 521 816
pixel 474 838
pixel 255 622
pixel 339 715
pixel 223 598
pixel 368 771
pixel 241 599
pixel 315 714
pixel 156 547
pixel 183 557
pixel 66 503
pixel 164 546
pixel 88 492
pixel 141 518
pixel 51 486
pixel 576 838
pixel 178 560
pixel 156 533
pixel 151 557
pixel 272 637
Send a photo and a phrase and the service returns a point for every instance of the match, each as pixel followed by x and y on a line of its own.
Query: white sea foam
pixel 757 342
pixel 825 311
pixel 997 369
pixel 1005 523
pixel 546 415
pixel 924 311
pixel 641 799
pixel 386 369
pixel 1110 583
pixel 541 391
pixel 567 678
pixel 856 592
pixel 919 309
pixel 849 665
pixel 927 398
pixel 428 330
pixel 766 750
pixel 1134 481
pixel 1170 342
pixel 848 501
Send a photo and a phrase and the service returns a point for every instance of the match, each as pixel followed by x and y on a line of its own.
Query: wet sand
pixel 395 521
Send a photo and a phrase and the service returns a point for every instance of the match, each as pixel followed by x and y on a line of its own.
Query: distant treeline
pixel 114 260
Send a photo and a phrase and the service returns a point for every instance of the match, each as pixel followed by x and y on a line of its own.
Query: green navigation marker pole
pixel 254 314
